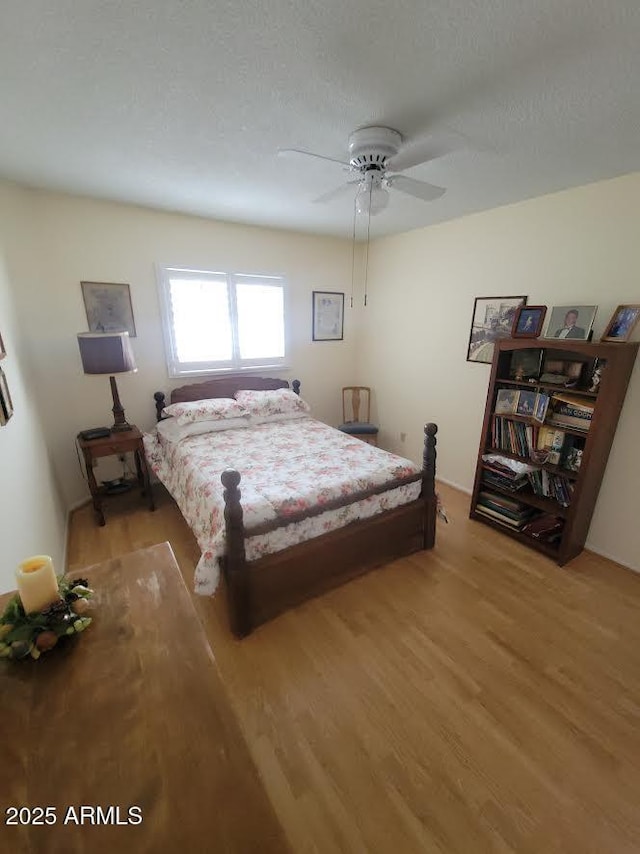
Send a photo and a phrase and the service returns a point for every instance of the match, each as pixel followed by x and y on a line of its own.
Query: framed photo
pixel 3 352
pixel 622 323
pixel 528 321
pixel 108 307
pixel 571 321
pixel 328 316
pixel 541 406
pixel 506 401
pixel 6 405
pixel 525 364
pixel 526 403
pixel 492 319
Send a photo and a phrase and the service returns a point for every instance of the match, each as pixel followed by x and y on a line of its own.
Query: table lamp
pixel 108 353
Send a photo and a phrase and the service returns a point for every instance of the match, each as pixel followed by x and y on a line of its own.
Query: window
pixel 221 321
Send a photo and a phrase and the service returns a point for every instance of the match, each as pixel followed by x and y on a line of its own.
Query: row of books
pixel 522 439
pixel 504 509
pixel 515 437
pixel 567 410
pixel 551 486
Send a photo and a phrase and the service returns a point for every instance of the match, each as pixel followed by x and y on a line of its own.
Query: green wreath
pixel 23 635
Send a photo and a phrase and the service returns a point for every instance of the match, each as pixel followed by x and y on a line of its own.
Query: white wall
pixel 32 520
pixel 579 246
pixel 82 239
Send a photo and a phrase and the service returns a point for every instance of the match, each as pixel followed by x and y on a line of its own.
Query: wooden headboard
pixel 225 386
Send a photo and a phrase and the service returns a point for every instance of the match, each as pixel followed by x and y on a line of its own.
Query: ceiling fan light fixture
pixel 371 200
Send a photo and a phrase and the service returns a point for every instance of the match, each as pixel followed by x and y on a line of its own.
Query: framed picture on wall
pixel 6 405
pixel 328 316
pixel 492 319
pixel 108 307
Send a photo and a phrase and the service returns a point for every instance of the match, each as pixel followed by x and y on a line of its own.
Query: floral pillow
pixel 214 409
pixel 280 401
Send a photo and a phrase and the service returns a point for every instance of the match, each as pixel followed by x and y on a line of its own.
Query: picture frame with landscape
pixel 528 321
pixel 622 323
pixel 491 320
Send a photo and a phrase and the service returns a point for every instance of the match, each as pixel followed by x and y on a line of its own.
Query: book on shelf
pixel 546 528
pixel 570 411
pixel 510 512
pixel 552 441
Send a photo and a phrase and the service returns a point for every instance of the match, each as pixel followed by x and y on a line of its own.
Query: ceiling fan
pixel 376 155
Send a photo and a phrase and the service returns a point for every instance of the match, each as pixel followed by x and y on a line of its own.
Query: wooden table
pixel 132 713
pixel 117 443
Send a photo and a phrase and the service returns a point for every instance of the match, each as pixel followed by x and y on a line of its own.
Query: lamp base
pixel 120 423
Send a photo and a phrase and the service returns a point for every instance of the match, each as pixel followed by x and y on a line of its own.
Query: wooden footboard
pixel 261 589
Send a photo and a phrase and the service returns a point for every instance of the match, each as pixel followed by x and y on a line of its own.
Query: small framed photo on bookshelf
pixel 541 406
pixel 571 321
pixel 528 320
pixel 525 364
pixel 622 323
pixel 506 401
pixel 526 403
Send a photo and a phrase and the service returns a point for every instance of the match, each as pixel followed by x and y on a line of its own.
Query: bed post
pixel 235 562
pixel 428 492
pixel 159 399
pixel 295 385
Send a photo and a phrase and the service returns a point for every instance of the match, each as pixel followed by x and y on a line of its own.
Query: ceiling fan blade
pixel 287 152
pixel 342 190
pixel 415 153
pixel 419 189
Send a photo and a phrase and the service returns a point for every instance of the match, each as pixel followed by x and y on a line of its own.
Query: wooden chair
pixel 353 397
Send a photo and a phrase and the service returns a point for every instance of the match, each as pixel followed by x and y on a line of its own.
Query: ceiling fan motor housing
pixel 371 147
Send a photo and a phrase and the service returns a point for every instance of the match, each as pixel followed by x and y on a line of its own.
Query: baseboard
pixel 453 484
pixel 591 548
pixel 67 528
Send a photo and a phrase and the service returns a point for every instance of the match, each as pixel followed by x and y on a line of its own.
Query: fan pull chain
pixel 366 263
pixel 353 251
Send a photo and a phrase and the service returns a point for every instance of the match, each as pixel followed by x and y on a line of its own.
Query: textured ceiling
pixel 183 105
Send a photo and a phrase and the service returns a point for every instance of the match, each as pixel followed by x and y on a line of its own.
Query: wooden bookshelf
pixel 607 404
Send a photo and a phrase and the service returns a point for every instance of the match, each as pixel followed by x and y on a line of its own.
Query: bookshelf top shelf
pixel 536 385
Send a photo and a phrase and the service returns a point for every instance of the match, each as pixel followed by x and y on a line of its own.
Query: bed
pixel 319 506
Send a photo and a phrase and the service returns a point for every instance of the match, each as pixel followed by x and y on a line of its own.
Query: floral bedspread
pixel 285 468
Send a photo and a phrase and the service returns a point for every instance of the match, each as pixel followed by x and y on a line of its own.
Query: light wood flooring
pixel 472 699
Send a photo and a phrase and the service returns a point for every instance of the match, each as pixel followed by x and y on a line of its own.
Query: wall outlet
pixel 403 437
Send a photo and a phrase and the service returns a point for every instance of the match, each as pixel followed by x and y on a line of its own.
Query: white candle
pixel 37 583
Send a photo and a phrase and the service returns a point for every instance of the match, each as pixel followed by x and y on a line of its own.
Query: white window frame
pixel 175 367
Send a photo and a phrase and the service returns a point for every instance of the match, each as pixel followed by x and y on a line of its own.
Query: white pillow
pixel 172 431
pixel 272 402
pixel 212 409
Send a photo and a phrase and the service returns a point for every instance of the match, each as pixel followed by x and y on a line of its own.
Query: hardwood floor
pixel 476 698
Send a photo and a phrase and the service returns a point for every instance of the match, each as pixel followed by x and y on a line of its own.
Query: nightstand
pixel 116 443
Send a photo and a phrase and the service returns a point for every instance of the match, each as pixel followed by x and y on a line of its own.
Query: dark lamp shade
pixel 106 352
